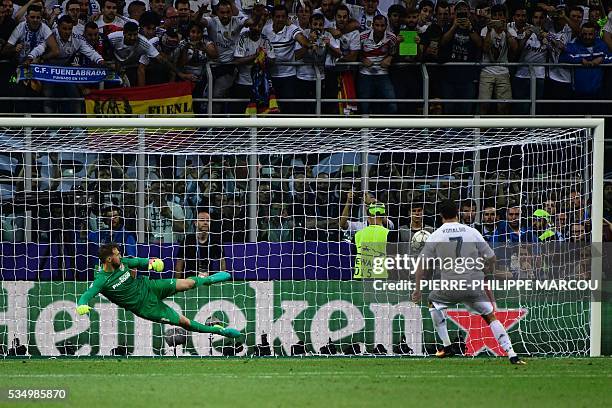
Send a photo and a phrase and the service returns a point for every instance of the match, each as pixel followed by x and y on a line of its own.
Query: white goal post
pixel 364 136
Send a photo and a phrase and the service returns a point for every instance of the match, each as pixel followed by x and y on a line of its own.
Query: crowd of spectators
pixel 154 42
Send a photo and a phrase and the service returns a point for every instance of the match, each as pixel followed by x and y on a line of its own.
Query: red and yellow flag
pixel 166 99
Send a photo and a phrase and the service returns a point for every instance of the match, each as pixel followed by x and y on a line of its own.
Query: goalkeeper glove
pixel 156 264
pixel 83 309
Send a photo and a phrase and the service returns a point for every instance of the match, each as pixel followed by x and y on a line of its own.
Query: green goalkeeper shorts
pixel 162 288
pixel 156 310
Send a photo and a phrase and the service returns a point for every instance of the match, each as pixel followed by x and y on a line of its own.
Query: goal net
pixel 277 204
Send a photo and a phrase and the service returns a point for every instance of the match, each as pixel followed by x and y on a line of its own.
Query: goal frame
pixel 595 124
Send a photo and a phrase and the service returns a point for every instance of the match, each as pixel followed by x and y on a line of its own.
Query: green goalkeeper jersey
pixel 119 287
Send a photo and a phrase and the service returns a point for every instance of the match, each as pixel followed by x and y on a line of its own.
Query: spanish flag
pixel 166 99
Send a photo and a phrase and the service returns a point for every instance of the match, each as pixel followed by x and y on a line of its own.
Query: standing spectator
pixel 282 37
pixel 28 34
pixel 170 20
pixel 304 12
pixel 233 223
pixel 164 218
pixel 532 47
pixel 98 41
pixel 113 229
pixel 128 46
pixel 351 227
pixel 489 222
pixel 69 46
pixel 460 43
pixel 416 223
pixel 495 80
pixel 406 79
pixel 350 47
pixel 510 230
pixel 136 9
pixel 158 7
pixel 250 43
pixel 542 231
pixel 184 16
pixel 302 207
pixel 200 254
pixel 364 15
pixel 591 52
pixel 224 30
pixel 426 13
pixel 559 80
pixel 468 214
pixel 110 21
pixel 73 9
pixel 195 51
pixel 378 46
pixel 324 48
pixel 9 65
pixel 328 9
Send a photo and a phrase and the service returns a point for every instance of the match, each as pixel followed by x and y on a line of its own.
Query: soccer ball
pixel 419 238
pixel 175 336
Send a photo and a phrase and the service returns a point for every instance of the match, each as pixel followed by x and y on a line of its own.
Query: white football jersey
pixel 460 245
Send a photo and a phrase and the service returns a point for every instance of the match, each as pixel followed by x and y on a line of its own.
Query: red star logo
pixel 479 335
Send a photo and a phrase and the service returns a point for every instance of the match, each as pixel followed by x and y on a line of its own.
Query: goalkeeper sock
pixel 439 320
pixel 202 328
pixel 501 335
pixel 199 281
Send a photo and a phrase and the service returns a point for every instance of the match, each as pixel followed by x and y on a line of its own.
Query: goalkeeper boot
pixel 516 360
pixel 217 277
pixel 228 332
pixel 447 351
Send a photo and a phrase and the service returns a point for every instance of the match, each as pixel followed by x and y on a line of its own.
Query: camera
pixel 462 14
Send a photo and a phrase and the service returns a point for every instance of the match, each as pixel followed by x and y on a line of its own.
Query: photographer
pixel 460 43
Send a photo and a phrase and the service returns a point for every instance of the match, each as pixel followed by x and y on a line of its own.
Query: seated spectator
pixel 164 218
pixel 531 46
pixel 324 49
pixel 460 43
pixel 578 233
pixel 590 52
pixel 112 229
pixel 70 46
pixel 378 46
pixel 201 254
pixel 510 230
pixel 416 223
pixel 495 80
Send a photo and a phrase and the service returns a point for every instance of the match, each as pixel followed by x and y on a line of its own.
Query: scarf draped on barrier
pixel 68 75
pixel 263 98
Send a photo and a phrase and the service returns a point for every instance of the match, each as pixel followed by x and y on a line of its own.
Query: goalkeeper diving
pixel 142 296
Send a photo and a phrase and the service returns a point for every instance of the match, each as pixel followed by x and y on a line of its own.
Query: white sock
pixel 439 321
pixel 501 335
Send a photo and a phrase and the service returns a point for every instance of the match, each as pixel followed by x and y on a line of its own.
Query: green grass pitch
pixel 314 382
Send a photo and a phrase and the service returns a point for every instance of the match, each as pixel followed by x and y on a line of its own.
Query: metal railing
pixel 425 100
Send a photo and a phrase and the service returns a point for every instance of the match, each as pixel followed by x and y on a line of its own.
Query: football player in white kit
pixel 452 245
